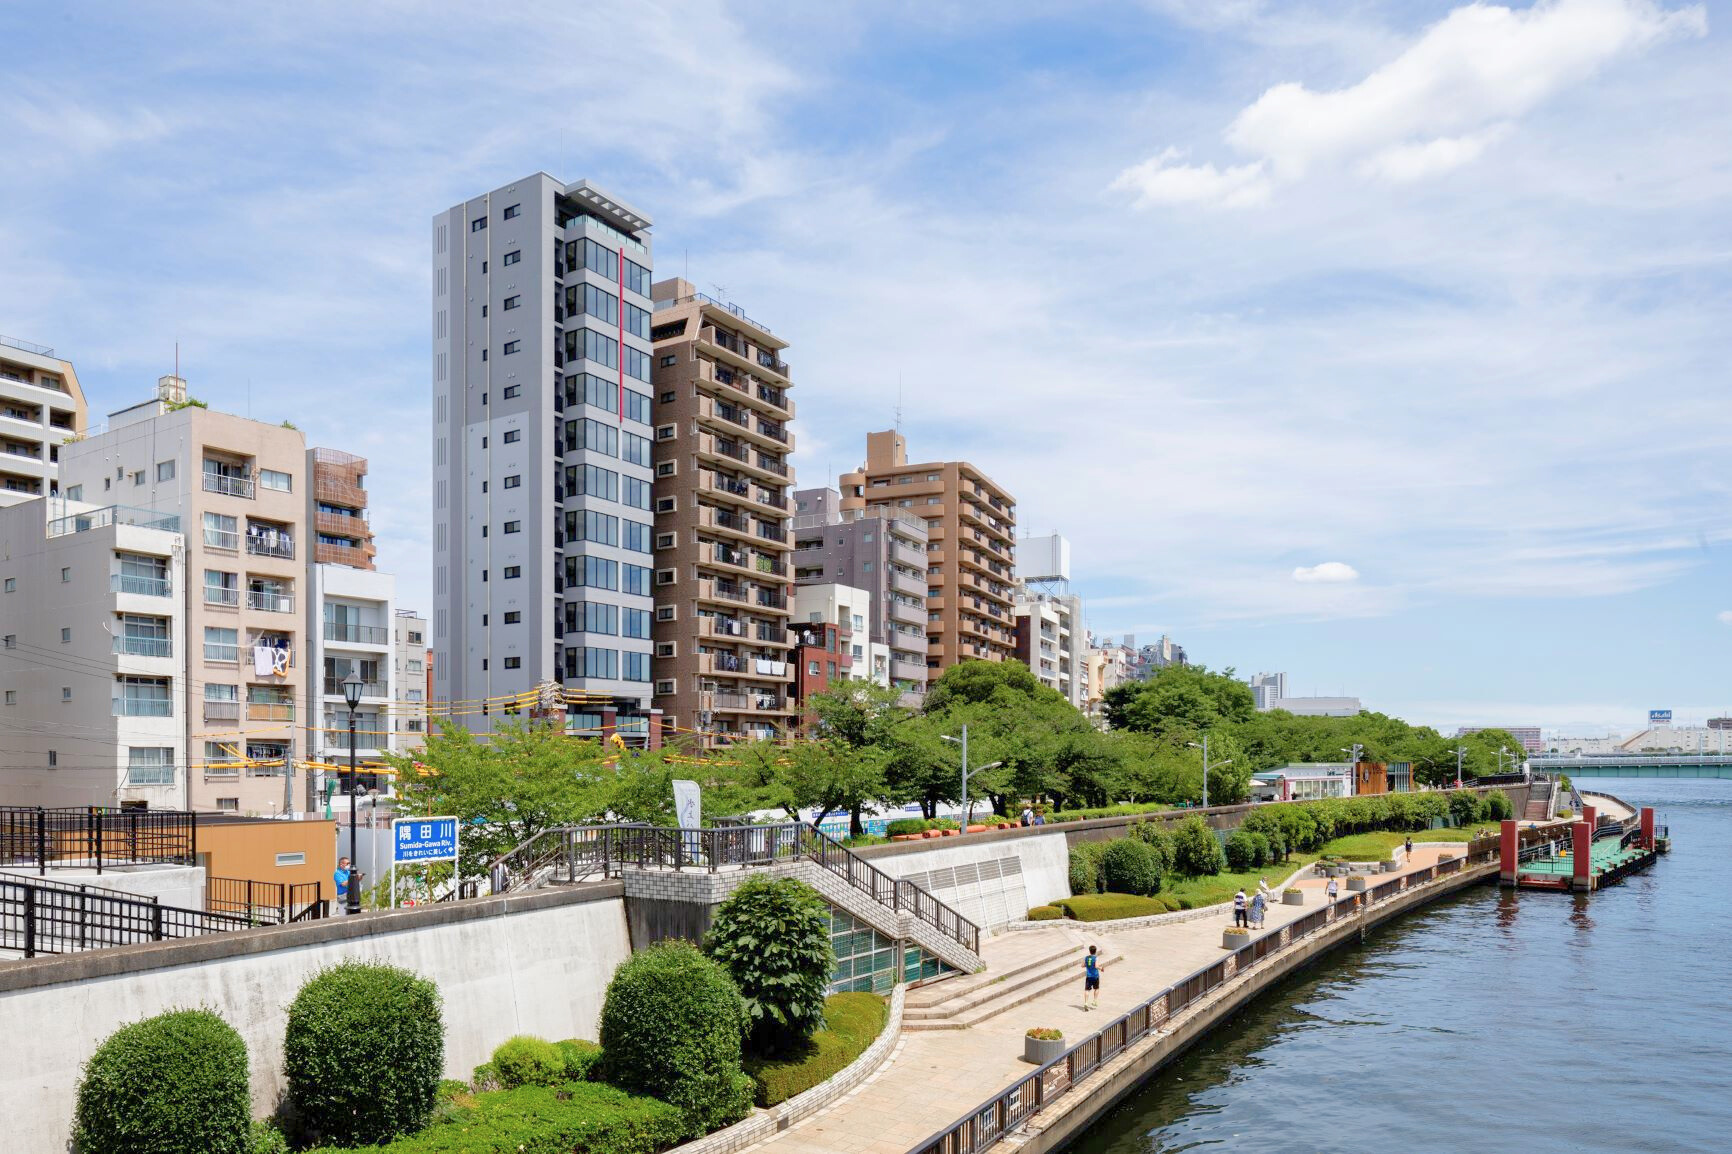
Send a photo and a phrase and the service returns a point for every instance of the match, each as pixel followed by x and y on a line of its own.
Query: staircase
pixel 1025 966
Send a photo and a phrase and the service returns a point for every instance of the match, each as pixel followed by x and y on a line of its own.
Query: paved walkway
pixel 933 1077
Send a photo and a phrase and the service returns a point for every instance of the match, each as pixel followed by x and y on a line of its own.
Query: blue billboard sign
pixel 1659 717
pixel 423 839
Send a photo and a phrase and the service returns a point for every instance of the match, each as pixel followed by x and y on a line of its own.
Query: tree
pixel 856 713
pixel 830 777
pixel 1195 850
pixel 1180 698
pixel 772 935
pixel 975 681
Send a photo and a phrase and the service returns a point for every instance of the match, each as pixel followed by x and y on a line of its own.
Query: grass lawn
pixel 1373 846
pixel 1208 891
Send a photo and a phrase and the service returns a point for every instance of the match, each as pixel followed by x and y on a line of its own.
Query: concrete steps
pixel 958 1003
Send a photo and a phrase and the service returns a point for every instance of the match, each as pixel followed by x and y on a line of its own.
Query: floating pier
pixel 1581 855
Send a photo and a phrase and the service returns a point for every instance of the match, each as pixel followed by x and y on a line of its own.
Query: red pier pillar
pixel 1591 816
pixel 1509 852
pixel 1583 855
pixel 1648 826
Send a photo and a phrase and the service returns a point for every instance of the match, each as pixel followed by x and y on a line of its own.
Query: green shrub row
pixel 1108 907
pixel 1045 914
pixel 576 1116
pixel 852 1022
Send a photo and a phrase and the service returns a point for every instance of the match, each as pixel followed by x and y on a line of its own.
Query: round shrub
pixel 1129 866
pixel 671 1026
pixel 172 1084
pixel 1153 835
pixel 773 937
pixel 581 1058
pixel 1195 850
pixel 1498 806
pixel 527 1061
pixel 1241 851
pixel 363 1053
pixel 904 825
pixel 1045 914
pixel 1465 808
pixel 1085 868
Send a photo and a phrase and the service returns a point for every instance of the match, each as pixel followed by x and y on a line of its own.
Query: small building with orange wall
pixel 265 850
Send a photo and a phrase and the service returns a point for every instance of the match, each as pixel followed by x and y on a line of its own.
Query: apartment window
pixel 664 576
pixel 484 530
pixel 143 697
pixel 65 634
pixel 592 617
pixel 634 492
pixel 664 688
pixel 53 758
pixel 635 537
pixel 636 579
pixel 592 662
pixel 478 224
pixel 511 302
pixel 513 617
pixel 66 575
pixel 666 469
pixel 591 572
pixel 634 666
pixel 666 613
pixel 511 347
pixel 513 571
pixel 484 357
pixel 589 525
pixel 138 477
pixel 221 588
pixel 667 504
pixel 634 448
pixel 513 211
pixel 669 361
pixel 511 258
pixel 276 479
pixel 221 532
pixel 513 481
pixel 484 273
pixel 512 436
pixel 164 472
pixel 811 668
pixel 442 316
pixel 514 526
pixel 666 433
pixel 592 481
pixel 511 391
pixel 76 492
pixel 233 804
pixel 11 584
pixel 66 693
pixel 514 663
pixel 593 435
pixel 221 645
pixel 150 766
pixel 483 442
pixel 634 623
pixel 668 397
pixel 11 697
pixel 664 541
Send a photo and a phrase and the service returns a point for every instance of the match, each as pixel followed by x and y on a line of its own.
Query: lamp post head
pixel 947 737
pixel 352 691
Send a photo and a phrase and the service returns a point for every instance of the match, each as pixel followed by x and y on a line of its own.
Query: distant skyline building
pixel 1267 689
pixel 41 408
pixel 1529 735
pixel 542 429
pixel 1319 706
pixel 1050 635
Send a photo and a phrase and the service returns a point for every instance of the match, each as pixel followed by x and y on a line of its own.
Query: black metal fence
pixel 38 917
pixel 576 852
pixel 1003 1113
pixel 264 903
pixel 94 837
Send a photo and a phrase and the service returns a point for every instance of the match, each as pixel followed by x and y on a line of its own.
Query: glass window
pixel 637 322
pixel 512 571
pixel 636 537
pixel 592 617
pixel 592 662
pixel 221 531
pixel 637 363
pixel 592 481
pixel 164 471
pixel 590 525
pixel 510 212
pixel 514 526
pixel 634 666
pixel 143 697
pixel 512 436
pixel 635 579
pixel 637 278
pixel 592 572
pixel 276 479
pixel 592 435
pixel 633 448
pixel 153 765
pixel 511 257
pixel 634 623
pixel 637 406
pixel 513 481
pixel 635 492
pixel 511 302
pixel 511 347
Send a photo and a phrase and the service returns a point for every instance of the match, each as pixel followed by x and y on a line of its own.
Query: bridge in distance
pixel 1635 765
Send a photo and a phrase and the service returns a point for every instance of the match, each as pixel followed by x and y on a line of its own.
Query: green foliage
pixel 582 1059
pixel 1498 806
pixel 905 825
pixel 1465 807
pixel 1126 810
pixel 363 1053
pixel 975 682
pixel 1195 850
pixel 527 1061
pixel 1247 850
pixel 1185 699
pixel 579 1116
pixel 851 1023
pixel 773 937
pixel 450 1089
pixel 1129 866
pixel 1110 907
pixel 264 1138
pixel 1160 843
pixel 172 1084
pixel 484 1077
pixel 1085 867
pixel 671 1027
pixel 1044 913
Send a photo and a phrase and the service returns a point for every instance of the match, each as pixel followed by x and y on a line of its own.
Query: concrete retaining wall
pixel 536 963
pixel 990 882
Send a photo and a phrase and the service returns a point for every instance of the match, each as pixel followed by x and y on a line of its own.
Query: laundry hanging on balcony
pixel 271 659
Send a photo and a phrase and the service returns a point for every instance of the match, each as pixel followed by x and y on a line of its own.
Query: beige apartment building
pixel 971 546
pixel 722 665
pixel 238 488
pixel 41 408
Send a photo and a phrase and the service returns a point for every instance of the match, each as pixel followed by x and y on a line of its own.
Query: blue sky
pixel 1427 303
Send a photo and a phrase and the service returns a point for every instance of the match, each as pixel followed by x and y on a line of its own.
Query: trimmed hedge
pixel 363 1053
pixel 582 1059
pixel 1498 806
pixel 172 1084
pixel 773 937
pixel 1085 867
pixel 527 1061
pixel 1109 907
pixel 1465 808
pixel 1044 913
pixel 671 1027
pixel 576 1116
pixel 1127 810
pixel 852 1022
pixel 1196 853
pixel 1130 866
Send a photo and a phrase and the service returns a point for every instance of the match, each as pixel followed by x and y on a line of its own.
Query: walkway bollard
pixel 1583 855
pixel 1509 852
pixel 1648 826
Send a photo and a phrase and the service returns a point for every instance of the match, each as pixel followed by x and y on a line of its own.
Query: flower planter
pixel 1040 1051
pixel 1357 882
pixel 1391 866
pixel 951 832
pixel 977 829
pixel 1235 939
pixel 1292 897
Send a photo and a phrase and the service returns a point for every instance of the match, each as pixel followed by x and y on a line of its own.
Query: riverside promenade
pixel 934 1077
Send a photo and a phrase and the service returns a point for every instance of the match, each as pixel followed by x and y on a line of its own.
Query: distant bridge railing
pixel 1567 762
pixel 984 1126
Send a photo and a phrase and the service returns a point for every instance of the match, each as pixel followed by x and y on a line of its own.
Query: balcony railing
pixel 279 545
pixel 270 602
pixel 144 646
pixel 334 688
pixel 229 484
pixel 142 586
pixel 217 595
pixel 143 707
pixel 357 634
pixel 227 540
pixel 222 711
pixel 270 711
pixel 776 467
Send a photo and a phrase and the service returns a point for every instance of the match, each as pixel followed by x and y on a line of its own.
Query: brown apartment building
pixel 971 550
pixel 723 660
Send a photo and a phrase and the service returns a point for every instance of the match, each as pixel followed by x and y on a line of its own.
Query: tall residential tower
pixel 541 453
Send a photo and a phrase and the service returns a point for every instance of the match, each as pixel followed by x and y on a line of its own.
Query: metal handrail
pixel 983 1126
pixel 51 919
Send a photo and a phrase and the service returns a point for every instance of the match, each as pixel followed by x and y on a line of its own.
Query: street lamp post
pixel 1205 748
pixel 352 697
pixel 963 741
pixel 1353 767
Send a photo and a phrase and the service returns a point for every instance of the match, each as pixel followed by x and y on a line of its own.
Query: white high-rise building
pixel 1050 636
pixel 1267 689
pixel 41 408
pixel 541 452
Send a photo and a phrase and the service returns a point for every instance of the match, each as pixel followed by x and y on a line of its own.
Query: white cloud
pixel 1724 617
pixel 1328 572
pixel 1433 108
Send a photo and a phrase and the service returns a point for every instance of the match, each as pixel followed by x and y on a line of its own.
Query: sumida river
pixel 1490 1021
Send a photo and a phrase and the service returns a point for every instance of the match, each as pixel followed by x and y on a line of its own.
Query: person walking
pixel 1239 911
pixel 1334 887
pixel 1091 981
pixel 1409 848
pixel 1259 904
pixel 342 876
pixel 1263 890
pixel 1027 817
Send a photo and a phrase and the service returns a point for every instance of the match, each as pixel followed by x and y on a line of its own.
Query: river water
pixel 1489 1021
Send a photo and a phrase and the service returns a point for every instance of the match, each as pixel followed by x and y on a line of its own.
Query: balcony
pixel 222 711
pixel 271 544
pixel 720 627
pixel 324 553
pixel 334 688
pixel 226 540
pixel 908 670
pixel 907 554
pixel 748 703
pixel 143 707
pixel 723 591
pixel 338 525
pixel 218 595
pixel 229 484
pixel 907 614
pixel 336 491
pixel 144 646
pixel 357 634
pixel 903 583
pixel 270 711
pixel 724 521
pixel 270 602
pixel 139 586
